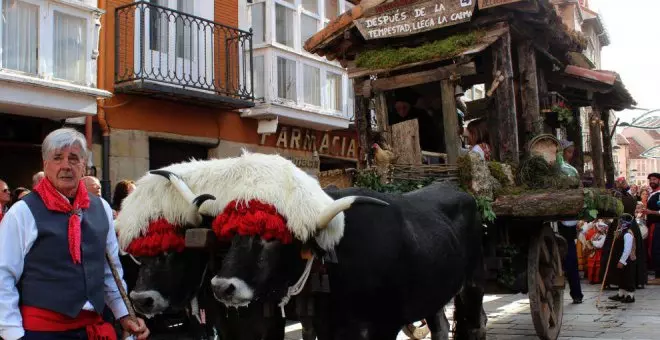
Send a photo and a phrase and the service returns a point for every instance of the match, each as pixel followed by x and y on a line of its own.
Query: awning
pixel 606 87
pixel 488 38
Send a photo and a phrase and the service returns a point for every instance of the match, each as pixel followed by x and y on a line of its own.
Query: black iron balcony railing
pixel 178 51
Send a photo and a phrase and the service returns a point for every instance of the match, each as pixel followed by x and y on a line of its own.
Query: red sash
pixel 42 320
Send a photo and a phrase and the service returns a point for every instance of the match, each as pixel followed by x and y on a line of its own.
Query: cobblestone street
pixel 509 317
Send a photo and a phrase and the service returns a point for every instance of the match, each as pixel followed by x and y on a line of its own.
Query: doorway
pixel 164 152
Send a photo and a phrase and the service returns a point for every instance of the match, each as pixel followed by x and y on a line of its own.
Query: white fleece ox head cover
pixel 270 179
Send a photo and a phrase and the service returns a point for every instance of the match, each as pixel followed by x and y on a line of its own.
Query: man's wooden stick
pixel 122 290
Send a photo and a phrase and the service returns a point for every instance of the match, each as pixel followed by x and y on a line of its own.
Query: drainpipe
pixel 105 153
pixel 103 123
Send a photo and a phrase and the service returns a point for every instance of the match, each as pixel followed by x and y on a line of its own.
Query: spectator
pixel 18 194
pixel 5 198
pixel 479 138
pixel 93 185
pixel 37 178
pixel 122 189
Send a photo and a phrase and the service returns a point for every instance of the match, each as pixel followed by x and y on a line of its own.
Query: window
pixel 19 36
pixel 69 43
pixel 258 23
pixel 308 27
pixel 184 30
pixel 333 91
pixel 284 18
pixel 259 77
pixel 311 5
pixel 312 84
pixel 286 78
pixel 331 9
pixel 158 27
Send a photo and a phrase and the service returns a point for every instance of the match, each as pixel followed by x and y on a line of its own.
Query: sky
pixel 634 50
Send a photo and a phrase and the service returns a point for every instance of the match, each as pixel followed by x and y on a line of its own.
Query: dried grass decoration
pixel 535 173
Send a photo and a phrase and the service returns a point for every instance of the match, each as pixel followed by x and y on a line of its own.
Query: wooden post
pixel 596 146
pixel 608 159
pixel 450 120
pixel 574 132
pixel 382 120
pixel 529 90
pixel 506 126
pixel 363 122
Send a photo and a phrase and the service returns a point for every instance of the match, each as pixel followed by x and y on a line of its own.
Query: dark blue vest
pixel 50 279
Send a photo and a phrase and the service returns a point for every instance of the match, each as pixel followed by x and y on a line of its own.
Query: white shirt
pixel 627 248
pixel 18 231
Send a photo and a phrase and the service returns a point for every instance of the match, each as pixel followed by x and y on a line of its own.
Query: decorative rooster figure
pixel 383 157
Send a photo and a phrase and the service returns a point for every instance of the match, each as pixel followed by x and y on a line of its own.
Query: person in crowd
pixel 122 189
pixel 56 280
pixel 5 198
pixel 37 178
pixel 624 252
pixel 479 138
pixel 405 109
pixel 652 213
pixel 18 194
pixel 595 237
pixel 93 185
pixel 637 267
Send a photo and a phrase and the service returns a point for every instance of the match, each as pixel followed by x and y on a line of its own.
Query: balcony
pixel 166 53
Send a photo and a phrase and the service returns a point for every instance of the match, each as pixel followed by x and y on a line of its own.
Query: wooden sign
pixel 406 17
pixel 341 144
pixel 494 3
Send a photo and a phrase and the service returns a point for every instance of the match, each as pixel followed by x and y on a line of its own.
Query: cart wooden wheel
pixel 416 332
pixel 545 280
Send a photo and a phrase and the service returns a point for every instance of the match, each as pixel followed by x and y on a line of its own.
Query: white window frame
pixel 271 50
pixel 46 48
pixel 299 103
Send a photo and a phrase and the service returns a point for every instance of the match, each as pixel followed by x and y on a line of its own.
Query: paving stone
pixel 509 317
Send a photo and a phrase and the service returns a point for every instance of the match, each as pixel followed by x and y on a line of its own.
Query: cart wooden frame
pixel 529 62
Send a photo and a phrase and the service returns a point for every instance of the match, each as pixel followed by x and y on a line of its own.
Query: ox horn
pixel 342 204
pixel 183 188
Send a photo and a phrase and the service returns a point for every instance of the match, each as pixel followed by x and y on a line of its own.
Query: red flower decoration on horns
pixel 161 237
pixel 252 218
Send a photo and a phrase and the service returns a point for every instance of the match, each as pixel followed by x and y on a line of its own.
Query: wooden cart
pixel 535 79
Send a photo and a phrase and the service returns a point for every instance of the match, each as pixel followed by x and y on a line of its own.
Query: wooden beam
pixel 423 77
pixel 362 121
pixel 477 108
pixel 504 119
pixel 529 90
pixel 574 132
pixel 450 120
pixel 548 205
pixel 382 119
pixel 596 146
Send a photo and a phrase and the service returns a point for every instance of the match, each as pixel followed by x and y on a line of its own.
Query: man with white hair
pixel 37 178
pixel 54 277
pixel 93 185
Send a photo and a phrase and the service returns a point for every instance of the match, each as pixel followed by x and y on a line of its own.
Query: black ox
pixel 395 264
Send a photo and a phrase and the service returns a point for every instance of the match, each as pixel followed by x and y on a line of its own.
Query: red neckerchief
pixel 54 201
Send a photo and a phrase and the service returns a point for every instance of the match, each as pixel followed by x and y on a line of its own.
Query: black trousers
pixel 626 275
